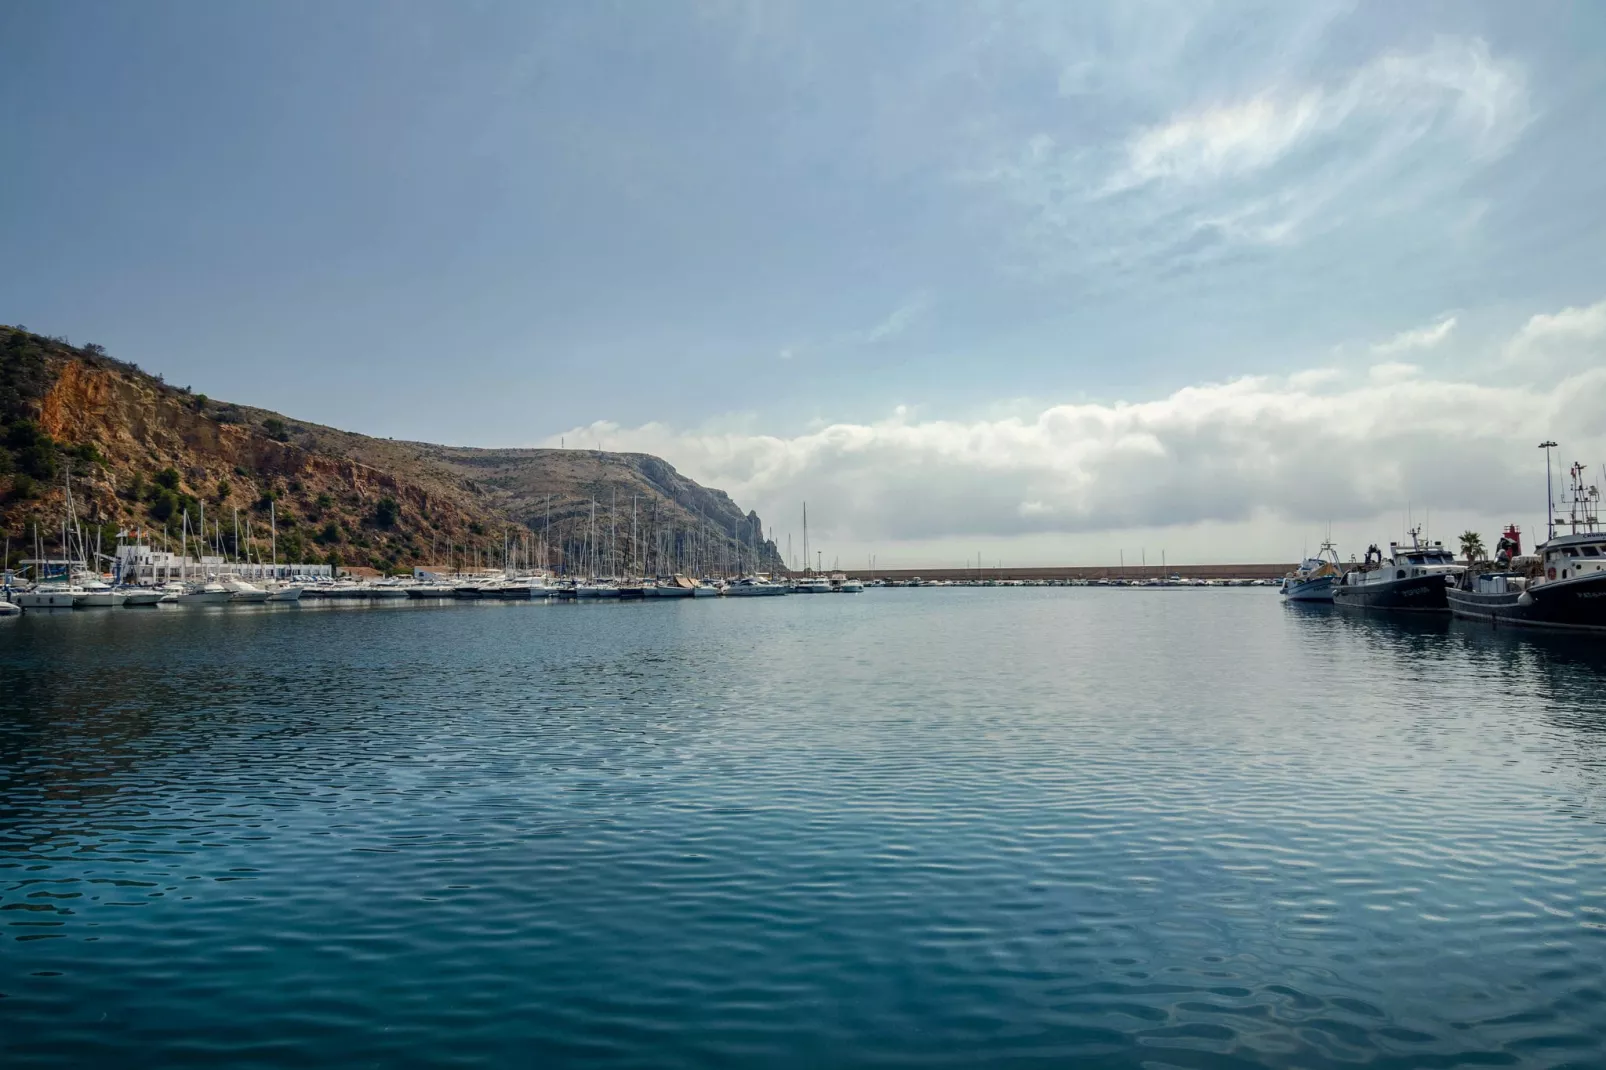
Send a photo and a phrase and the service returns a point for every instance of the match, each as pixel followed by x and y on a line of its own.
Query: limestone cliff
pixel 140 453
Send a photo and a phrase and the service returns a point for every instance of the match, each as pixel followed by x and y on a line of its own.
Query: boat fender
pixel 1525 599
pixel 1551 574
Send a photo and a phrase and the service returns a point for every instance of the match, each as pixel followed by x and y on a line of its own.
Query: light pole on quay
pixel 1550 497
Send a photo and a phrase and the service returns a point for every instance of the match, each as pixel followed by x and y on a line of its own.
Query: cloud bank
pixel 1296 451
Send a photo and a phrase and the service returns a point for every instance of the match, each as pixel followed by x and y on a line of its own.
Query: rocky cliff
pixel 139 453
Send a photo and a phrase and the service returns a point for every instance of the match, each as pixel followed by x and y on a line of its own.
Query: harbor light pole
pixel 1550 497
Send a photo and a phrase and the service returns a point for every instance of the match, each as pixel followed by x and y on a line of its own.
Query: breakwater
pixel 1081 572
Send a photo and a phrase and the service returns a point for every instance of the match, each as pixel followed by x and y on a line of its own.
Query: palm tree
pixel 1472 546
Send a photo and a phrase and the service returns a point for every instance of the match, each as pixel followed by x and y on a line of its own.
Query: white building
pixel 138 563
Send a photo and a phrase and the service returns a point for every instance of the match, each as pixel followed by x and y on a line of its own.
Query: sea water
pixel 1113 828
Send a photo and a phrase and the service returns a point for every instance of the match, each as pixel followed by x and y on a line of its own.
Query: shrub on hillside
pixel 387 512
pixel 275 429
pixel 165 505
pixel 38 461
pixel 168 478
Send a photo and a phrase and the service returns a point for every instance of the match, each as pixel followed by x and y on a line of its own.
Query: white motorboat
pixel 52 594
pixel 811 585
pixel 142 596
pixel 287 592
pixel 94 593
pixel 752 586
pixel 842 583
pixel 708 589
pixel 209 593
pixel 595 589
pixel 9 609
pixel 243 591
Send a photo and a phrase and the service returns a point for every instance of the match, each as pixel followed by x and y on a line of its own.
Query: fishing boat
pixel 1313 580
pixel 1561 585
pixel 1411 578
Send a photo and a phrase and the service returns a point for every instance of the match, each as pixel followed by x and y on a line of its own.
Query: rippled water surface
pixel 1189 828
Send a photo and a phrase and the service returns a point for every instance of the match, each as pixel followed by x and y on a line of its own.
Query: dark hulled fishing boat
pixel 1412 578
pixel 1562 585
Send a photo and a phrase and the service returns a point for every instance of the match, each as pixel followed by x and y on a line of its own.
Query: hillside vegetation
pixel 139 453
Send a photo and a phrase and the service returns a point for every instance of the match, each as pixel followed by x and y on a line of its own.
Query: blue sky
pixel 722 230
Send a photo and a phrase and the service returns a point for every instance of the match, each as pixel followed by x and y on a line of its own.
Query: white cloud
pixel 1296 450
pixel 1273 167
pixel 1456 85
pixel 1220 142
pixel 895 323
pixel 1419 338
pixel 1570 325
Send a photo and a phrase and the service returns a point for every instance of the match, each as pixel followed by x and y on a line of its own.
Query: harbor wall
pixel 1082 572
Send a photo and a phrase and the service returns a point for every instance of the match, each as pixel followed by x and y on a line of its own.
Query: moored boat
pixel 755 586
pixel 1313 580
pixel 1561 585
pixel 209 593
pixel 51 594
pixel 95 593
pixel 243 591
pixel 1412 578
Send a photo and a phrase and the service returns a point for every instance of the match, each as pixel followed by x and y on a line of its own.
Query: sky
pixel 1010 282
